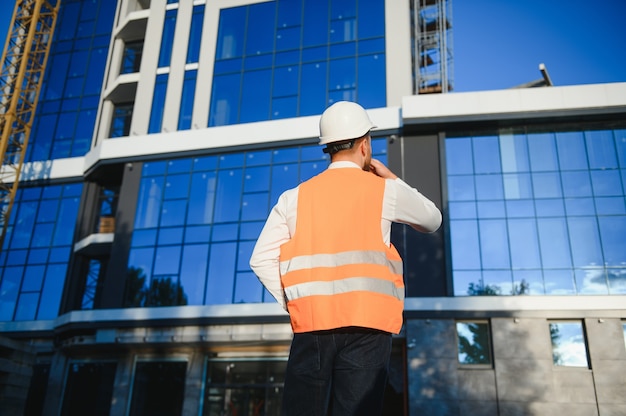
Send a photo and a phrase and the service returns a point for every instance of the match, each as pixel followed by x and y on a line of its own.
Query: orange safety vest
pixel 336 270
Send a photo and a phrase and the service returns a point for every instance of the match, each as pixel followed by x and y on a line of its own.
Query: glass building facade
pixel 169 129
pixel 538 213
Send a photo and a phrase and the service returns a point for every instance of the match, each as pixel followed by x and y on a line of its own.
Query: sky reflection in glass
pixel 540 213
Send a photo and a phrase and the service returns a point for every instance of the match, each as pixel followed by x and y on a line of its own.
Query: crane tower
pixel 432 46
pixel 23 65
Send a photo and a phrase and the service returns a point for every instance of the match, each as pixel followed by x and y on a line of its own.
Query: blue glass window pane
pixel 530 280
pixel 313 91
pixel 580 206
pixel 546 185
pixel 459 156
pixel 193 272
pixel 52 290
pixel 42 235
pixel 486 153
pixel 229 186
pixel 461 188
pixel 317 53
pixel 344 49
pixel 60 254
pixel 176 186
pixel 69 13
pixel 315 24
pixel 283 177
pixel 284 107
pixel 559 282
pixel 342 74
pixel 572 152
pixel 369 13
pixel 287 58
pixel 591 281
pixel 255 100
pixel 261 61
pixel 498 281
pixel 232 160
pixel 491 209
pixel 489 187
pixel 524 244
pixel 463 280
pixel 158 104
pixel 225 232
pixel 606 183
pixel 37 256
pixel 372 46
pixel 576 184
pixel 247 288
pixel 520 208
pixel 494 244
pixel 342 9
pixel 257 179
pixel 251 230
pixel 611 206
pixel 186 101
pixel 568 344
pixel 289 13
pixel 542 152
pixel 462 210
pixel 201 197
pixel 167 40
pixel 285 81
pixel 178 166
pixel 199 234
pixel 612 232
pixel 601 149
pixel 173 213
pixel 260 31
pixel 221 276
pixel 517 186
pixel 231 33
pixel 144 238
pixel 225 100
pixel 255 207
pixel 153 168
pixel 465 234
pixel 205 163
pixel 9 290
pixel 554 242
pixel 166 260
pixel 141 258
pixel 620 144
pixel 227 65
pixel 372 73
pixel 263 157
pixel 288 38
pixel 48 210
pixel 170 236
pixel 195 34
pixel 617 281
pixel 26 307
pixel 33 278
pixel 549 207
pixel 149 203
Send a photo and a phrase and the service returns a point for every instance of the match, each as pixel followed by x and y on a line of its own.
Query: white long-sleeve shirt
pixel 401 203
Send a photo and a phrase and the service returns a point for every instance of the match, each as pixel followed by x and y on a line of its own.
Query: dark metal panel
pixel 115 277
pixel 416 160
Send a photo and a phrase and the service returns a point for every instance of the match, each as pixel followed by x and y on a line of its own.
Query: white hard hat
pixel 344 120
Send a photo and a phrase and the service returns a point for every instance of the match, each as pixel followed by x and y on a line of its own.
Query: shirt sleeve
pixel 406 205
pixel 264 261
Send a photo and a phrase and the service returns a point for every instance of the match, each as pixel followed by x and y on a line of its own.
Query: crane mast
pixel 23 66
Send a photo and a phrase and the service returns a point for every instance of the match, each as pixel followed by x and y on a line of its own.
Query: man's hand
pixel 378 169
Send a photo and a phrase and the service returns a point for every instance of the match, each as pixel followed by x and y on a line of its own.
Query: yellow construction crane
pixel 23 66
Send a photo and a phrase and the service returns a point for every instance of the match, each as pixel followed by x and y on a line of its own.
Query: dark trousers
pixel 339 372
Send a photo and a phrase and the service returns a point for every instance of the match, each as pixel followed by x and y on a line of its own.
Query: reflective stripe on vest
pixel 335 287
pixel 340 259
